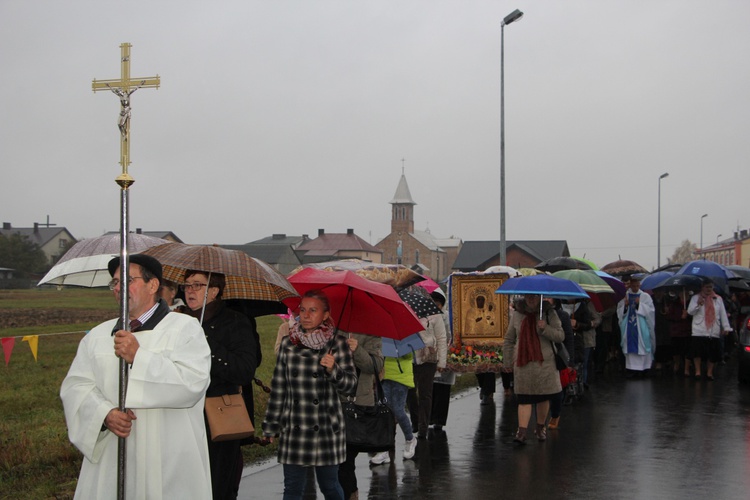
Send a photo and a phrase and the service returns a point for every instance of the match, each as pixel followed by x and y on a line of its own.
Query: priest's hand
pixel 120 423
pixel 126 345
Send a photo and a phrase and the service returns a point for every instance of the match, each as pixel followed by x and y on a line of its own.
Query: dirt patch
pixel 17 318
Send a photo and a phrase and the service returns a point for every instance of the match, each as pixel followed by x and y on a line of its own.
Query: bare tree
pixel 683 253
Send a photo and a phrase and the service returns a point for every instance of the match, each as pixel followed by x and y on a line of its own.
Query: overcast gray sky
pixel 289 116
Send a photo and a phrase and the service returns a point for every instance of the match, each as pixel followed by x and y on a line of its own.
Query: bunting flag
pixel 8 344
pixel 33 341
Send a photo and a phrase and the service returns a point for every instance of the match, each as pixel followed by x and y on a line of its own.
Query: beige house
pixel 53 241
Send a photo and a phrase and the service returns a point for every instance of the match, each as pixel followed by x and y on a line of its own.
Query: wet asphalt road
pixel 661 437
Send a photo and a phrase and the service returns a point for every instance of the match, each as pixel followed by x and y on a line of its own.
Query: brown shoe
pixel 541 432
pixel 554 422
pixel 520 436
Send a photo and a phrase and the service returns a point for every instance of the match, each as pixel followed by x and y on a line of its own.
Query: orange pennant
pixel 33 341
pixel 8 343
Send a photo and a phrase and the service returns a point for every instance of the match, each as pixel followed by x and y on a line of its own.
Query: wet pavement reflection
pixel 659 437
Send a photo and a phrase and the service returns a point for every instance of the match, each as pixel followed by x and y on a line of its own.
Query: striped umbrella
pixel 246 277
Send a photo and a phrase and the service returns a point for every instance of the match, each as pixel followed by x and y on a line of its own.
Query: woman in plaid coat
pixel 313 366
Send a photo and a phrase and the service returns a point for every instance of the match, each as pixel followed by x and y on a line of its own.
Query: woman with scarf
pixel 234 358
pixel 709 323
pixel 527 351
pixel 313 366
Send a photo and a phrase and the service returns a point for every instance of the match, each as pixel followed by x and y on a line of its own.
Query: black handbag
pixel 562 357
pixel 370 428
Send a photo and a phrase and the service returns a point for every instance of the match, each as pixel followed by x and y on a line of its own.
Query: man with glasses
pixel 169 364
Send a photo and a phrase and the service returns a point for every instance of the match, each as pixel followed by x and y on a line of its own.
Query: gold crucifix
pixel 124 88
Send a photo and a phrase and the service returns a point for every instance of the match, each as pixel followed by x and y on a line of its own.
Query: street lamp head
pixel 513 16
pixel 665 174
pixel 704 215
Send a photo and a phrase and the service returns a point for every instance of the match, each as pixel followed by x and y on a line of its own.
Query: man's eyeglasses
pixel 193 286
pixel 113 284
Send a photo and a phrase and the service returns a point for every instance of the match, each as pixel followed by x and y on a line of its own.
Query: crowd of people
pixel 179 353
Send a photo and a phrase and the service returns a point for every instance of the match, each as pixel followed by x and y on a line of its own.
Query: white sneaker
pixel 409 448
pixel 381 458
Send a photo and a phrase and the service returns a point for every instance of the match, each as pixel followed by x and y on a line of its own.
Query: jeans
pixel 395 394
pixel 585 368
pixel 295 477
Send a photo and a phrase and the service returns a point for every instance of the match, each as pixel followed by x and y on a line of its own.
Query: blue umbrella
pixel 707 269
pixel 543 284
pixel 653 280
pixel 396 348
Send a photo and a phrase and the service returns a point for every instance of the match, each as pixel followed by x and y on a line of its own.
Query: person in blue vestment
pixel 637 317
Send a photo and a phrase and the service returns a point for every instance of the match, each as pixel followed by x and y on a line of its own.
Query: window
pixel 62 243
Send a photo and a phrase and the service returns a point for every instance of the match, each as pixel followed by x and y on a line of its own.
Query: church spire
pixel 402 211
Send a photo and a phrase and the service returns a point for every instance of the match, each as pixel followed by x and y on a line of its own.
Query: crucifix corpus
pixel 123 88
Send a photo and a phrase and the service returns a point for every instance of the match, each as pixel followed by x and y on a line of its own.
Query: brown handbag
pixel 228 418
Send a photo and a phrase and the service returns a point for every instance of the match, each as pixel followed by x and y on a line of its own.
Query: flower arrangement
pixel 475 358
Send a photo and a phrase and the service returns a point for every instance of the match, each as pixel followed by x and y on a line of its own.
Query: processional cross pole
pixel 123 88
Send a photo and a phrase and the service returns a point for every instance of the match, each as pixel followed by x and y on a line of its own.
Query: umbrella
pixel 741 271
pixel 738 284
pixel 357 304
pixel 623 268
pixel 502 270
pixel 428 284
pixel 587 262
pixel 85 263
pixel 588 280
pixel 393 348
pixel 246 277
pixel 605 301
pixel 529 271
pixel 600 291
pixel 654 279
pixel 543 284
pixel 421 304
pixel 560 263
pixel 395 275
pixel 707 269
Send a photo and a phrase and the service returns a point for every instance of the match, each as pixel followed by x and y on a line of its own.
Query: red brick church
pixel 418 250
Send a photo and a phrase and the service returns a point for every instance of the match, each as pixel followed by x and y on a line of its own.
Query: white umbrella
pixel 85 264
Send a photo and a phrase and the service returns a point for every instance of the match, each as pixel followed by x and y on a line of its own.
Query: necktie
pixel 135 324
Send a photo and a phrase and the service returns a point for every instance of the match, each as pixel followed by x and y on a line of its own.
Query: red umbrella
pixel 358 305
pixel 428 284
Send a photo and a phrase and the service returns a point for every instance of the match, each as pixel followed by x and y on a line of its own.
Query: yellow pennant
pixel 33 341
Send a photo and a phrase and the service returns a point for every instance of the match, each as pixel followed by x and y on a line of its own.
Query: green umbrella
pixel 586 261
pixel 588 280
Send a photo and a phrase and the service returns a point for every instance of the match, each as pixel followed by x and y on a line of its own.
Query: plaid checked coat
pixel 304 410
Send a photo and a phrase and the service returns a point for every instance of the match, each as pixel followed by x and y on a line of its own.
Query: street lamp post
pixel 702 217
pixel 513 16
pixel 658 223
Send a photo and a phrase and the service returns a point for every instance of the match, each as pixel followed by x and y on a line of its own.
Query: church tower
pixel 402 210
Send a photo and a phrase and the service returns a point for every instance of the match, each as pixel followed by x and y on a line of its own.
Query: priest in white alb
pixel 169 365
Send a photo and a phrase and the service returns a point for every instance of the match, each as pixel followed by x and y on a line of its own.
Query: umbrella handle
pixel 541 303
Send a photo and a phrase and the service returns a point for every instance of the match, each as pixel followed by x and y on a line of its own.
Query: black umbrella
pixel 687 281
pixel 741 271
pixel 561 264
pixel 421 303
